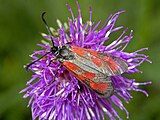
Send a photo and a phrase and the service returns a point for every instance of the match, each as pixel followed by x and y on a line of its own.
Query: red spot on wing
pixel 73 69
pixel 70 66
pixel 112 63
pixel 97 61
pixel 101 87
pixel 83 51
pixel 89 75
pixel 80 77
pixel 94 53
pixel 78 50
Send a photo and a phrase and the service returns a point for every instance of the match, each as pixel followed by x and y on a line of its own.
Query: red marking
pixel 80 77
pixel 78 50
pixel 102 87
pixel 97 61
pixel 94 53
pixel 70 66
pixel 89 75
pixel 112 63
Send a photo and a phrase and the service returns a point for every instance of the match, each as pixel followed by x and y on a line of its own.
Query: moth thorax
pixel 65 53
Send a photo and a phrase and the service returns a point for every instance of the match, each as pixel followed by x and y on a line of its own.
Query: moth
pixel 92 68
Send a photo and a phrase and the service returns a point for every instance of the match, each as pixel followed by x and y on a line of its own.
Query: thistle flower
pixel 59 95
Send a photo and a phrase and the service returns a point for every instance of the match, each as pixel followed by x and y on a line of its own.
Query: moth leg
pixel 54 76
pixel 57 72
pixel 69 43
pixel 51 61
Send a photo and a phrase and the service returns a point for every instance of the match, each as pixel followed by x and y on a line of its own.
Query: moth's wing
pixel 116 65
pixel 89 76
pixel 105 63
pixel 103 88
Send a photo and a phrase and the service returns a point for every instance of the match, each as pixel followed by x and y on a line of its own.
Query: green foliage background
pixel 20 28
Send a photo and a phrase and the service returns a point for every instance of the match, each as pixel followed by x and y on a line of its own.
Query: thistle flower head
pixel 55 94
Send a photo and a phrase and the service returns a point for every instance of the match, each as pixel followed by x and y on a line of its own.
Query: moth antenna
pixel 47 27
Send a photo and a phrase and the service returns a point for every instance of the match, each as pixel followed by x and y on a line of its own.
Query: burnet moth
pixel 90 67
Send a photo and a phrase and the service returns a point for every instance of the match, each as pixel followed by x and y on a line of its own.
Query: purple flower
pixel 62 96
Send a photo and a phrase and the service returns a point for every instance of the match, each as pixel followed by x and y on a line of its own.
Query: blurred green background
pixel 20 28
